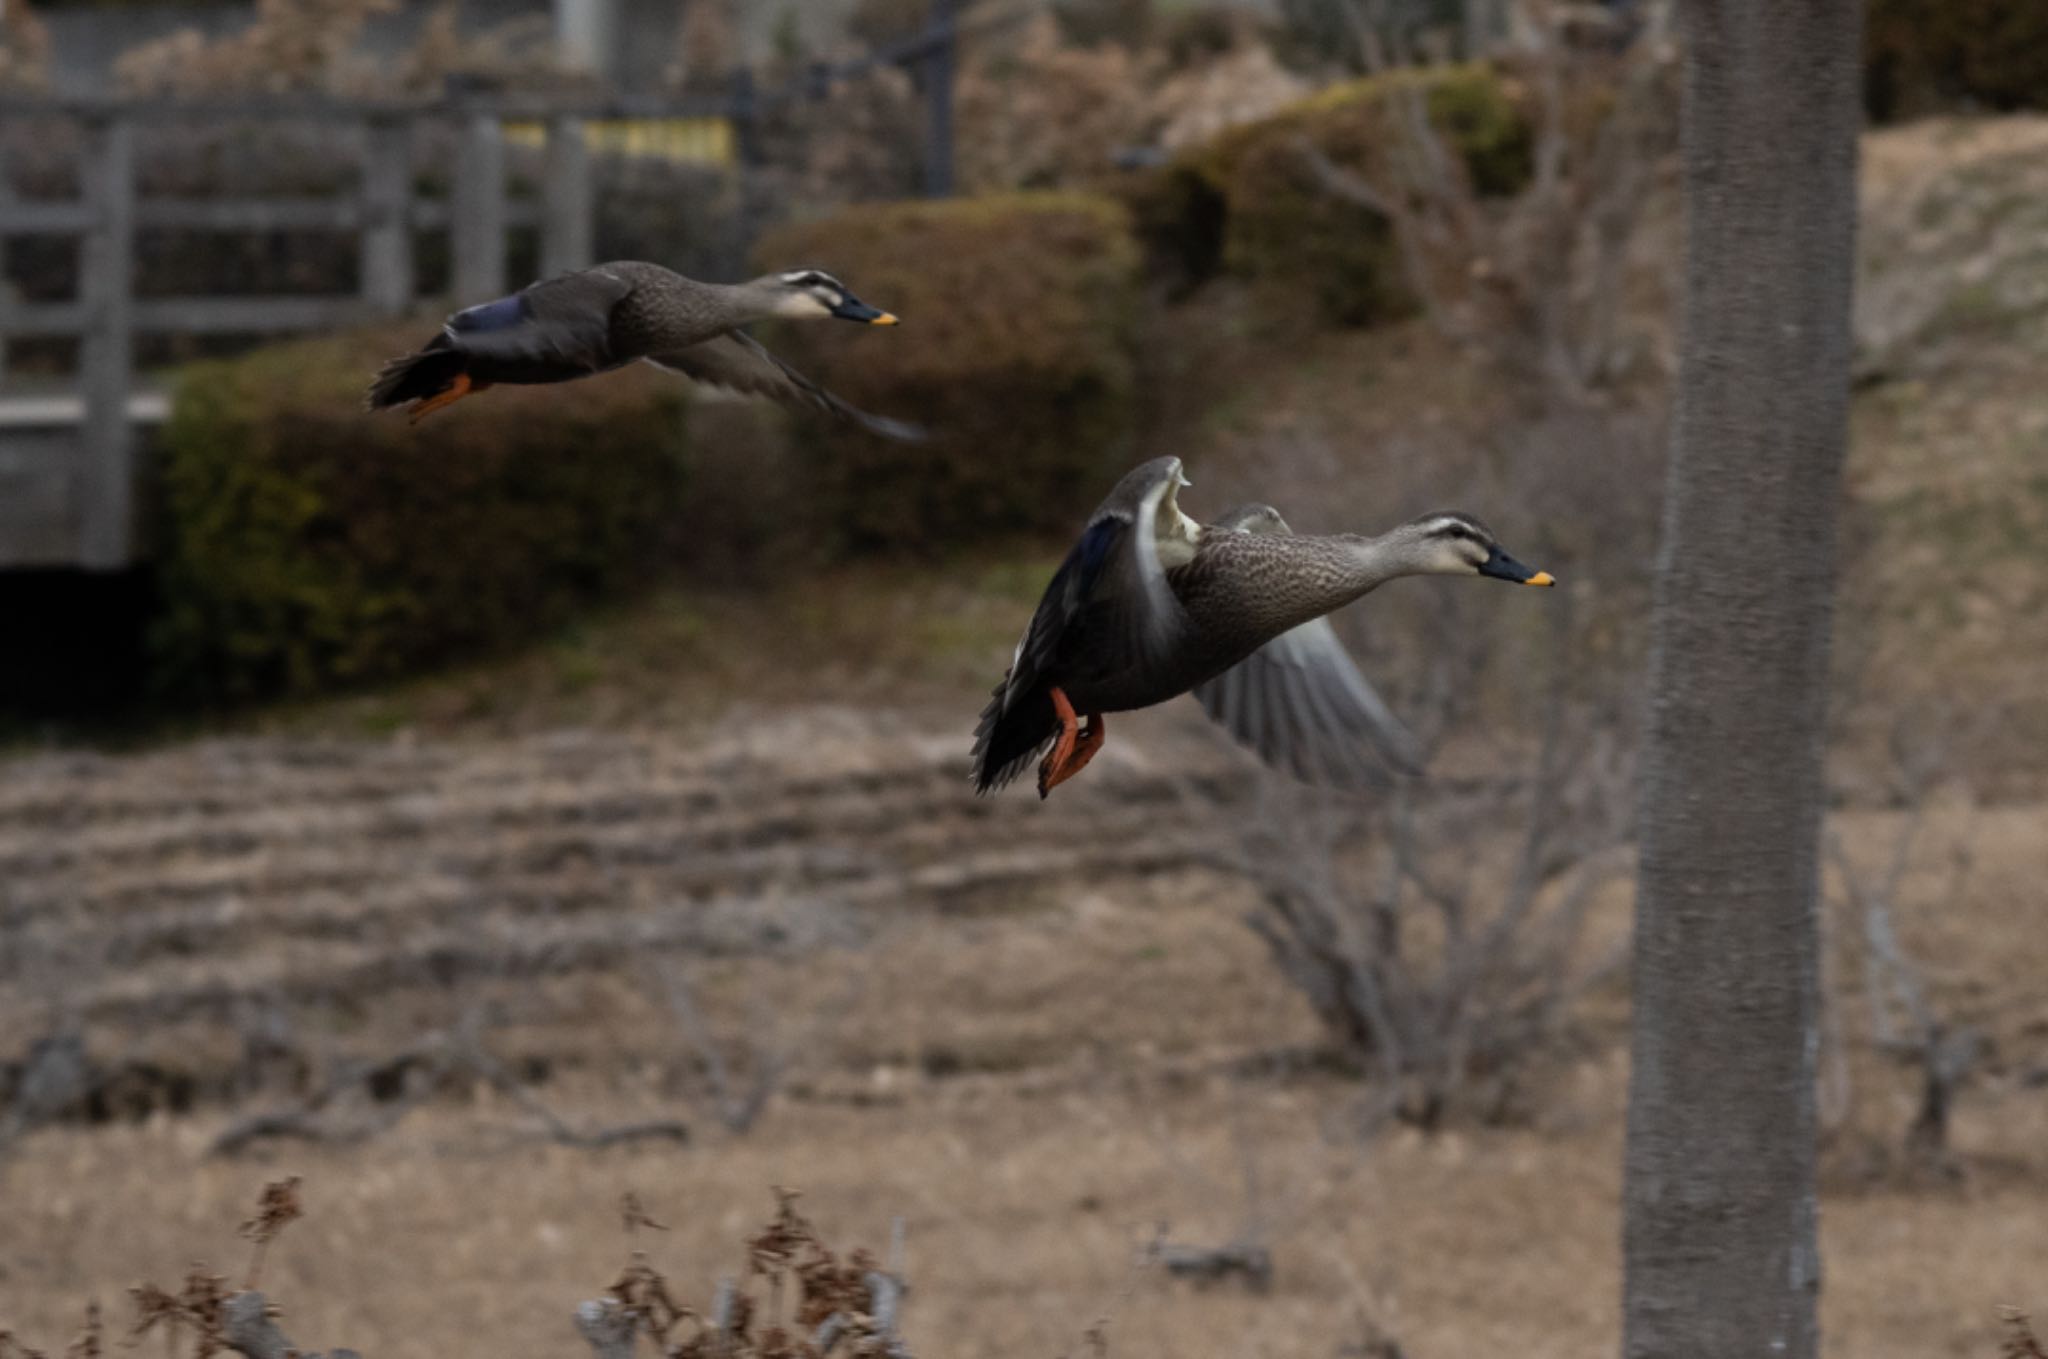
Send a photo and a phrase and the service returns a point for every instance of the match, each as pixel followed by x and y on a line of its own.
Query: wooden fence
pixel 68 466
pixel 66 489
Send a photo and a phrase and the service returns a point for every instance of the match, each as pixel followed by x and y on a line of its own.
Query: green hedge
pixel 304 543
pixel 1278 227
pixel 1017 352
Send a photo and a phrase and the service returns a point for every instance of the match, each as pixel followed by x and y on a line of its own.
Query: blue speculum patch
pixel 502 314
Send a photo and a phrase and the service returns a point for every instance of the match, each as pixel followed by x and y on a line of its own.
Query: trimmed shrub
pixel 305 543
pixel 1281 229
pixel 1923 55
pixel 1017 352
pixel 1179 217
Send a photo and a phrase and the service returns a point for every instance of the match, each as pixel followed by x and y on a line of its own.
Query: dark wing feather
pixel 559 326
pixel 739 362
pixel 1301 703
pixel 1018 722
pixel 1110 600
pixel 1112 592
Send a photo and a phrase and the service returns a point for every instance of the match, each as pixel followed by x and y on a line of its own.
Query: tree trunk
pixel 1719 1240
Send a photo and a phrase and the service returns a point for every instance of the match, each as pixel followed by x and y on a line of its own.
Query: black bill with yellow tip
pixel 1501 566
pixel 851 308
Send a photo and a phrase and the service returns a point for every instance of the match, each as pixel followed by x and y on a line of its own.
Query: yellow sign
pixel 701 141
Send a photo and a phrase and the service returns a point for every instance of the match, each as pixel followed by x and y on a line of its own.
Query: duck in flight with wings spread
pixel 594 320
pixel 1150 605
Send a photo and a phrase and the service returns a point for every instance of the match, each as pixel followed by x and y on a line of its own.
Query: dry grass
pixel 1036 1077
pixel 1024 1213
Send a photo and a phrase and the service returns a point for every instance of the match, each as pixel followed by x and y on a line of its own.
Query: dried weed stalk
pixel 817 1301
pixel 217 1317
pixel 633 1214
pixel 277 1209
pixel 2020 1341
pixel 10 1348
pixel 89 1343
pixel 201 1307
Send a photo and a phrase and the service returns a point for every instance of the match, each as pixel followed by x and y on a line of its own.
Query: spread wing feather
pixel 738 362
pixel 1300 702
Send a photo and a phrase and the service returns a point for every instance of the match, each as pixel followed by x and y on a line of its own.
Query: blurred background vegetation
pixel 1184 227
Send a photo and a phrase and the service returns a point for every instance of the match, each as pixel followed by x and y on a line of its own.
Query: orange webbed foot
pixel 462 386
pixel 1073 748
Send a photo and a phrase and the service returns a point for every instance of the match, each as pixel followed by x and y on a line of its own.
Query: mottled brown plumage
pixel 1150 605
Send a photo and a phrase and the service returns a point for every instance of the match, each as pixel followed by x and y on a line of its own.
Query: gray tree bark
pixel 1719 1236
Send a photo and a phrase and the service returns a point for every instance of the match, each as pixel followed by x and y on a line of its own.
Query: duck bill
pixel 1501 566
pixel 851 308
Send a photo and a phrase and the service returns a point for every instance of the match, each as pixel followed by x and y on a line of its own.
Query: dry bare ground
pixel 1039 1033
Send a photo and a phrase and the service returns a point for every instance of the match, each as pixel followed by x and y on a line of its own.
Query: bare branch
pixel 416 1072
pixel 1536 283
pixel 737 1109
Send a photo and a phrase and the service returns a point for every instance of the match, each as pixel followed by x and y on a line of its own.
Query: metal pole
pixel 386 242
pixel 6 289
pixel 565 241
pixel 587 33
pixel 743 109
pixel 106 359
pixel 476 224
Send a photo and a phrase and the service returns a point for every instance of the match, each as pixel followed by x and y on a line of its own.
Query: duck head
pixel 812 294
pixel 1451 543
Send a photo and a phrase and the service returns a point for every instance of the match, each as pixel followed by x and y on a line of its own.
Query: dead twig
pixel 635 1216
pixel 737 1108
pixel 2020 1341
pixel 278 1208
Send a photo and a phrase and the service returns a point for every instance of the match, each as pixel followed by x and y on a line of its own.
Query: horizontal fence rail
pixel 68 460
pixel 74 459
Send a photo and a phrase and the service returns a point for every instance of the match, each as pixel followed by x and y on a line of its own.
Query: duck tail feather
pixel 1009 737
pixel 419 376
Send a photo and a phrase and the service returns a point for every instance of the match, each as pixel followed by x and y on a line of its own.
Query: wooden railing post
pixel 476 223
pixel 566 207
pixel 743 111
pixel 6 290
pixel 386 241
pixel 938 93
pixel 106 358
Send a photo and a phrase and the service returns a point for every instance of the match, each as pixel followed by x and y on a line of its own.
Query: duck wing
pixel 738 362
pixel 1300 702
pixel 1110 596
pixel 558 328
pixel 1108 609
